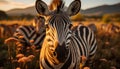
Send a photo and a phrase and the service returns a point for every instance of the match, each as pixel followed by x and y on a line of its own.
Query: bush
pixel 3 15
pixel 78 17
pixel 106 18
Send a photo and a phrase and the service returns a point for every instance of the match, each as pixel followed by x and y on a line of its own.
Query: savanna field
pixel 14 55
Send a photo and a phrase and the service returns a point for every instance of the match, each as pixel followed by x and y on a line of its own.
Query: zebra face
pixel 57 32
pixel 58 26
pixel 58 22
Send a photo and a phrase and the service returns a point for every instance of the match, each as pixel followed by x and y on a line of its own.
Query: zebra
pixel 62 47
pixel 31 33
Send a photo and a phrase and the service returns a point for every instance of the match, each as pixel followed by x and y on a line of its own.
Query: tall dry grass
pixel 20 22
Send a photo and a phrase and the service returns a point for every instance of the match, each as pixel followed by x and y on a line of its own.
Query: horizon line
pixel 81 8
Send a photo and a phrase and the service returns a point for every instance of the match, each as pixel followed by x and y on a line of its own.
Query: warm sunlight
pixel 51 35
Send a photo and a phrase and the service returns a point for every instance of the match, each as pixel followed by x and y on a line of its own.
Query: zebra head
pixel 58 25
pixel 39 24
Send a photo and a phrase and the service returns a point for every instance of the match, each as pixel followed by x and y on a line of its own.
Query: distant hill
pixel 100 10
pixel 25 11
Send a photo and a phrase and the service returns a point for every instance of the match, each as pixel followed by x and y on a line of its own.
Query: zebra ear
pixel 41 7
pixel 74 7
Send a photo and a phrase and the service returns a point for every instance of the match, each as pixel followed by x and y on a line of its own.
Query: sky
pixel 6 5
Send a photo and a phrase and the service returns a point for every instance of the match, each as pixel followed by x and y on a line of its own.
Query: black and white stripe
pixel 84 38
pixel 63 47
pixel 30 33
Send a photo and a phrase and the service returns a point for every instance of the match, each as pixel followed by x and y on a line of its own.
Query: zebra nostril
pixel 63 44
pixel 55 54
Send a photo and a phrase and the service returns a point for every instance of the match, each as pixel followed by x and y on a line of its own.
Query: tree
pixel 3 15
pixel 27 16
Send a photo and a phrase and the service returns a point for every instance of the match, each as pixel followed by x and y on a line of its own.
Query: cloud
pixel 11 4
pixel 3 2
pixel 20 5
pixel 17 4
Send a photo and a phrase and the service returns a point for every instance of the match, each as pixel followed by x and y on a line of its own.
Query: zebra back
pixel 35 33
pixel 85 39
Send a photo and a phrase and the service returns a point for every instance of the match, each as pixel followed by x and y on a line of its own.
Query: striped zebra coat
pixel 62 47
pixel 31 33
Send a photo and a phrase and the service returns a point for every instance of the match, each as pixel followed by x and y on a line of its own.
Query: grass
pixel 20 22
pixel 108 53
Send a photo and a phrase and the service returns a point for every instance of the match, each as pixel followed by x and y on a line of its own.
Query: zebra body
pixel 32 33
pixel 63 47
pixel 29 33
pixel 83 38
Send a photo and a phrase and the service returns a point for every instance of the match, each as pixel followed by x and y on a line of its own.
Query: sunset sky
pixel 10 4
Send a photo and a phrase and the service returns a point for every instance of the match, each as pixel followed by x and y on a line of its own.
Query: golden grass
pixel 20 22
pixel 29 22
pixel 97 23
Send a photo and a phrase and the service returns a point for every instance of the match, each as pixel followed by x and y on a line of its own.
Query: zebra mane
pixel 60 5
